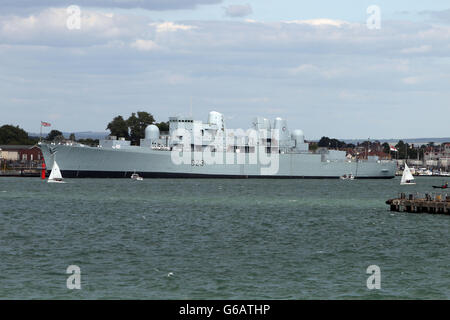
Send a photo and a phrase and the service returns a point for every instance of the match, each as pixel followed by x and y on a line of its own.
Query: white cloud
pixel 320 22
pixel 15 5
pixel 145 45
pixel 49 27
pixel 170 26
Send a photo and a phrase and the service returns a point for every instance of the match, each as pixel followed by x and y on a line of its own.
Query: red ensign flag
pixel 45 124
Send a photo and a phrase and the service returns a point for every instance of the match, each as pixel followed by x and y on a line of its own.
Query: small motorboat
pixel 347 177
pixel 444 186
pixel 136 177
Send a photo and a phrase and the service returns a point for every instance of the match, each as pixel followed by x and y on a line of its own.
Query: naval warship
pixel 196 149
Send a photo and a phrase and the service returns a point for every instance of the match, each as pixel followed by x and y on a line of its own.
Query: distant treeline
pixel 332 143
pixel 14 135
pixel 132 129
pixel 404 150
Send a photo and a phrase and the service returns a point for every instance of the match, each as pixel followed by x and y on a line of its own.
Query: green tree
pixel 326 142
pixel 118 127
pixel 402 149
pixel 313 146
pixel 72 137
pixel 137 125
pixel 412 153
pixel 55 135
pixel 10 134
pixel 163 126
pixel 386 148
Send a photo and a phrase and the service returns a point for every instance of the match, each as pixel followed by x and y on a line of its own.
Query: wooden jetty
pixel 428 203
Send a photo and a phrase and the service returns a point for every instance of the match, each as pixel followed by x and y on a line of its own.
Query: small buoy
pixel 43 171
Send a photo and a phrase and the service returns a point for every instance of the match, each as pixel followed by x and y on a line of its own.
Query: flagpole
pixel 40 134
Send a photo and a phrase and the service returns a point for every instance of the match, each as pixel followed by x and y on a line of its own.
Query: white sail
pixel 55 173
pixel 407 177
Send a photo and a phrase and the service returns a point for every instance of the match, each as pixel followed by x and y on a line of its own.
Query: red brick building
pixel 20 153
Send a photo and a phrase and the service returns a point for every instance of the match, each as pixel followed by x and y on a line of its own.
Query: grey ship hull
pixel 83 162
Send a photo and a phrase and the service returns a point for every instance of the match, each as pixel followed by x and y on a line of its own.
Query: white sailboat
pixel 55 174
pixel 407 177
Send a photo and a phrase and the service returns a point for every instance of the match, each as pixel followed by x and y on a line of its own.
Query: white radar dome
pixel 152 132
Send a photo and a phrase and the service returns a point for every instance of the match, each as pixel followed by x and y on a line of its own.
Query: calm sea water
pixel 218 239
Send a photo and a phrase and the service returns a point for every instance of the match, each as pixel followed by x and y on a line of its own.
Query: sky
pixel 317 64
